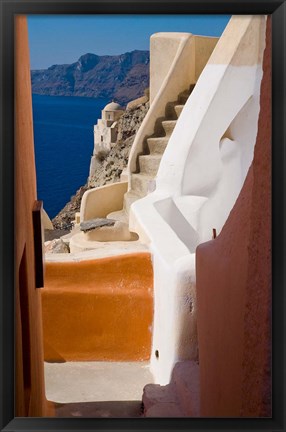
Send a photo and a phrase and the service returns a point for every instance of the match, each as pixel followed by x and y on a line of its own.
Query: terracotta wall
pixel 30 391
pixel 99 309
pixel 234 289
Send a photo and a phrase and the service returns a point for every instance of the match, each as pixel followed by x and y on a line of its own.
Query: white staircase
pixel 143 181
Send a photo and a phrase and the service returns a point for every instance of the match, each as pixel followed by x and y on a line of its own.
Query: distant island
pixel 122 77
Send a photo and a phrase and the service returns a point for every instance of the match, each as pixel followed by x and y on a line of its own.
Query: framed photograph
pixel 143 192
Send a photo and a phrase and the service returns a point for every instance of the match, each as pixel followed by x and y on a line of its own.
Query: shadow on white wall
pixel 199 179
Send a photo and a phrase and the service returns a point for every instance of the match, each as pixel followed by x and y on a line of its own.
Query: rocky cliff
pixel 123 77
pixel 113 164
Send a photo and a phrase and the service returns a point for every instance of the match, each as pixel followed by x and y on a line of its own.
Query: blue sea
pixel 63 136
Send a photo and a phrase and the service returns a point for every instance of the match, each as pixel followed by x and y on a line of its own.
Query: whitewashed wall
pixel 199 179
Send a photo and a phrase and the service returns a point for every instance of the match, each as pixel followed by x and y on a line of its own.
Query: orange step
pixel 96 310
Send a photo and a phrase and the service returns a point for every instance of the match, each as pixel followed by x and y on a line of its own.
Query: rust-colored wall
pixel 99 309
pixel 234 289
pixel 30 391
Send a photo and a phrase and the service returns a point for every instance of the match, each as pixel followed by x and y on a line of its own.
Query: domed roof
pixel 112 106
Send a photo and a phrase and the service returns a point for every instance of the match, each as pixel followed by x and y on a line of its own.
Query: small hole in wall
pixel 157 354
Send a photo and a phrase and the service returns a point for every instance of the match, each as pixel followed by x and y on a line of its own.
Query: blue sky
pixel 59 39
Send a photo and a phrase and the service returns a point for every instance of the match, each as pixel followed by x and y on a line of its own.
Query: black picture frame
pixel 38 243
pixel 8 9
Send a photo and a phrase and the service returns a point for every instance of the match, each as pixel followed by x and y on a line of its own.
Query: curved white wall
pixel 99 202
pixel 199 179
pixel 175 62
pixel 174 75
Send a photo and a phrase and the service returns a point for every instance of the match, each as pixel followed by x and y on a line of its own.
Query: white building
pixel 105 133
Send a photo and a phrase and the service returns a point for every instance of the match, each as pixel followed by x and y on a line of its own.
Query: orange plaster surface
pixel 30 400
pixel 98 309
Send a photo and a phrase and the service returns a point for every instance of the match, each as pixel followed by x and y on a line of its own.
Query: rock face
pixel 123 77
pixel 63 220
pixel 57 246
pixel 109 169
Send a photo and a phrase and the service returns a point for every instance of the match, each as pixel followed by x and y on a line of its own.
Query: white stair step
pixel 170 111
pixel 96 381
pixel 179 109
pixel 169 126
pixel 129 198
pixel 142 184
pixel 183 97
pixel 120 216
pixel 157 145
pixel 149 164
